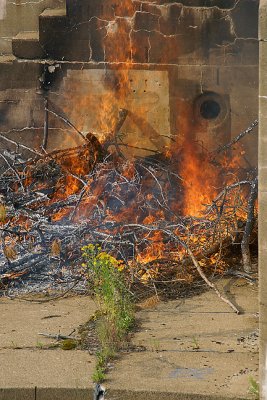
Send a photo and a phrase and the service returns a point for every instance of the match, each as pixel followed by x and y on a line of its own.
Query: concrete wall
pixel 263 196
pixel 207 52
pixel 18 15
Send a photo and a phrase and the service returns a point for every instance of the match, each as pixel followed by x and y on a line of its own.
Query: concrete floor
pixel 195 348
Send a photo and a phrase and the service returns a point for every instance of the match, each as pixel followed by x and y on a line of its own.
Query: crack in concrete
pixel 111 27
pixel 26 3
pixel 158 17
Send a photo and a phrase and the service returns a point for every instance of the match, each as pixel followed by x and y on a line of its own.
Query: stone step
pixel 60 39
pixel 52 21
pixel 32 45
pixel 26 45
pixel 53 31
pixel 7 58
pixel 54 13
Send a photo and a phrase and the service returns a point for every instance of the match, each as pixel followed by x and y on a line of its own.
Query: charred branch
pixel 63 200
pixel 46 127
pixel 238 137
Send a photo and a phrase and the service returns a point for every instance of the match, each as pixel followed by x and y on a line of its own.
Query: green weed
pixel 99 374
pixel 116 315
pixel 155 345
pixel 40 345
pixel 195 343
pixel 68 344
pixel 254 388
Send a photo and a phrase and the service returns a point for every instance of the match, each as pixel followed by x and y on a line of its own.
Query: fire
pixel 151 205
pixel 200 180
pixel 154 251
pixel 58 216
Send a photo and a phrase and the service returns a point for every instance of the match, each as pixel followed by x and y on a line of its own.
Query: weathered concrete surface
pixel 218 369
pixel 25 366
pixel 144 93
pixel 263 195
pixel 227 353
pixel 91 103
pixel 18 16
pixel 204 48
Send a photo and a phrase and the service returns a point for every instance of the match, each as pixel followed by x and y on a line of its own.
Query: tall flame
pixel 200 179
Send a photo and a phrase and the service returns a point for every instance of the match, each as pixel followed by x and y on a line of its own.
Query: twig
pixel 210 284
pixel 14 170
pixel 238 137
pixel 122 117
pixel 57 337
pixel 18 145
pixel 45 138
pixel 51 298
pixel 66 122
pixel 224 192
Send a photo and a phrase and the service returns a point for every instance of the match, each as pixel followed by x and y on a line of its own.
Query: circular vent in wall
pixel 210 108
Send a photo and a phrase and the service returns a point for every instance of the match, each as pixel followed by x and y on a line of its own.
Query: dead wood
pixel 125 208
pixel 17 144
pixel 114 139
pixel 210 284
pixel 66 121
pixel 57 336
pixel 46 127
pixel 52 171
pixel 249 226
pixel 211 249
pixel 238 137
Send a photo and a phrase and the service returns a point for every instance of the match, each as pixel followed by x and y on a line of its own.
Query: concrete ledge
pixel 26 45
pixel 86 394
pixel 63 394
pixel 139 395
pixel 18 394
pixel 53 12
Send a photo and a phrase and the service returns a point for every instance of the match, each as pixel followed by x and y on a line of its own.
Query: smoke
pixel 2 9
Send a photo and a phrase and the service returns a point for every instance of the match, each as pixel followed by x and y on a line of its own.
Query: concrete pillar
pixel 263 195
pixel 2 9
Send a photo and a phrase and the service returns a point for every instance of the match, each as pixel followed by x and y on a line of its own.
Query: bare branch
pixel 238 137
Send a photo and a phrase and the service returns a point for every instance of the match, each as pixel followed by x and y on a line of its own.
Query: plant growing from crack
pixel 254 388
pixel 195 343
pixel 155 345
pixel 105 276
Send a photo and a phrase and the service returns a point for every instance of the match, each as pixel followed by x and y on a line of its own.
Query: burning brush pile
pixel 169 217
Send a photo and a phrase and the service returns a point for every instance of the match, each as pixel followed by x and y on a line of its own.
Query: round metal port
pixel 210 108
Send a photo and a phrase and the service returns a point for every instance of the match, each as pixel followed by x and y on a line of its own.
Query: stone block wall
pixel 161 32
pixel 208 48
pixel 18 15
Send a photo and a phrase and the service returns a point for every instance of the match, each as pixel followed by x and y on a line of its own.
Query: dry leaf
pixel 56 248
pixel 149 303
pixel 10 252
pixel 2 213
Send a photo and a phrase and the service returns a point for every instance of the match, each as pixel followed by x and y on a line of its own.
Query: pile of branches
pixel 130 208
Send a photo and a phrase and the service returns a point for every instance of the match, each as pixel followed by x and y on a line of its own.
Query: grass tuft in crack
pixel 106 278
pixel 254 388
